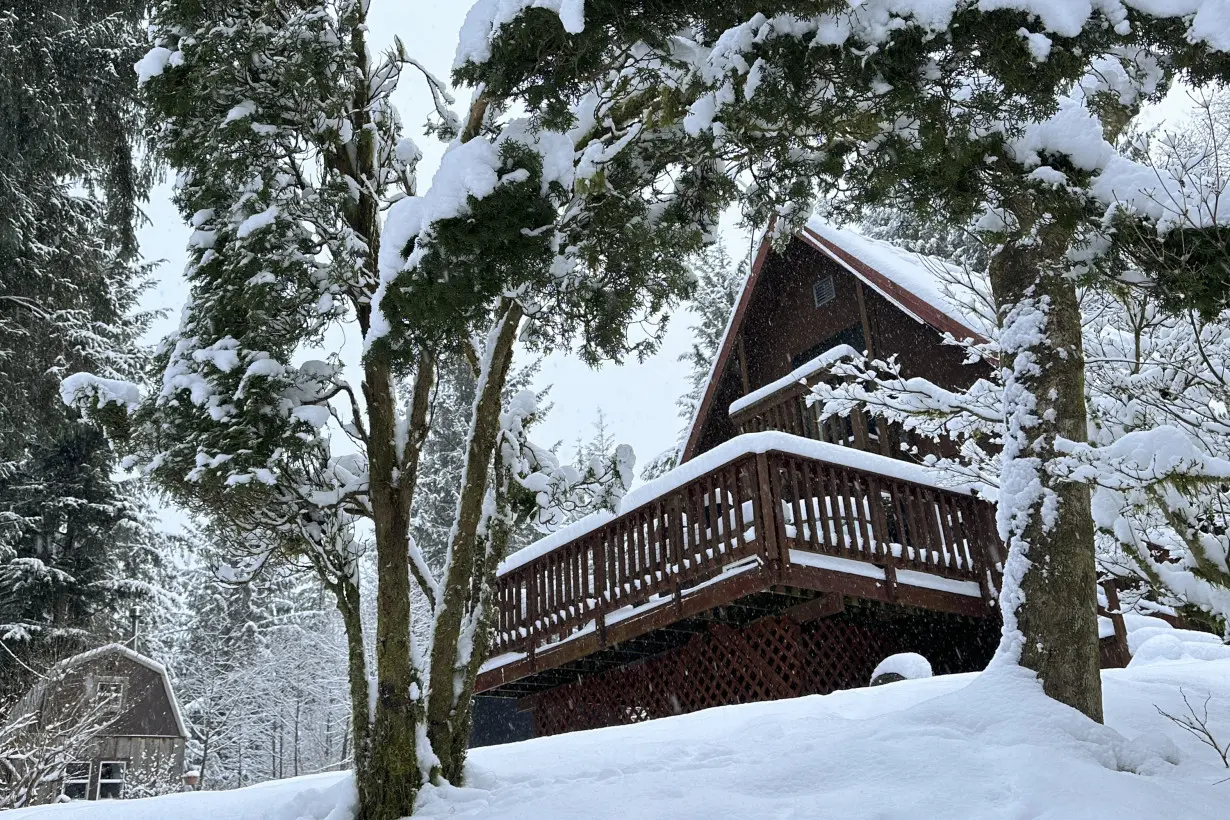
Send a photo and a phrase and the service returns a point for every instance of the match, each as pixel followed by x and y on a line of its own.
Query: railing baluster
pixel 946 525
pixel 920 540
pixel 801 523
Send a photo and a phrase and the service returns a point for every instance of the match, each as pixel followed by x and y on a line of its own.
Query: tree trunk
pixel 499 532
pixel 348 604
pixel 448 718
pixel 205 750
pixel 295 758
pixel 1049 599
pixel 393 778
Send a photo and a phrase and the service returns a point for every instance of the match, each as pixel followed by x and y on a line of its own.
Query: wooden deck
pixel 795 516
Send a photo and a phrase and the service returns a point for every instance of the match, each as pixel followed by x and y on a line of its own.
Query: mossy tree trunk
pixel 1049 600
pixel 461 604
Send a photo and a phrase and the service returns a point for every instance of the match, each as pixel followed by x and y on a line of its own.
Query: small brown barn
pixel 143 734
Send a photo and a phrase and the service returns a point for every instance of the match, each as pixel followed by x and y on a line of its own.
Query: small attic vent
pixel 823 291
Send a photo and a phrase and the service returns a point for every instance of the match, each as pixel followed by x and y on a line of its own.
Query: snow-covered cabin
pixel 124 704
pixel 783 556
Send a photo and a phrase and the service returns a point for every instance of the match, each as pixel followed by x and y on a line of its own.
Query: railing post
pixel 769 512
pixel 1115 612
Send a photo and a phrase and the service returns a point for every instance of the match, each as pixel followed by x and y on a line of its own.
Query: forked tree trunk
pixel 1049 599
pixel 448 712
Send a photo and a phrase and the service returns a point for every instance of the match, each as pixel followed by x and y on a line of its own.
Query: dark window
pixel 823 291
pixel 109 695
pixel 111 780
pixel 76 780
pixel 852 336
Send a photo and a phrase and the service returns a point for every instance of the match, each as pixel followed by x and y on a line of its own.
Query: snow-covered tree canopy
pixel 896 99
pixel 69 190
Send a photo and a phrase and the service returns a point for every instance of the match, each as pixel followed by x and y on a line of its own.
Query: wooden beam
pixel 822 606
pixel 868 338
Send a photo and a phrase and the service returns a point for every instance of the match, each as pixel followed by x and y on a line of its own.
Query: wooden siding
pixel 147 709
pixel 782 322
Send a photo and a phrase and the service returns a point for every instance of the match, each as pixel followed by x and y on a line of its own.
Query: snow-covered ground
pixel 962 746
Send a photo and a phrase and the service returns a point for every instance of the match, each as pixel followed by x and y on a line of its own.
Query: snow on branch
pixel 561 492
pixel 95 392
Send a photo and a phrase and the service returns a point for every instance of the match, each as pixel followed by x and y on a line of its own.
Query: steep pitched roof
pixel 34 698
pixel 909 281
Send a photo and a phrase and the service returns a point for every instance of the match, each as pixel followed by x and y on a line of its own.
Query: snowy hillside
pixel 963 746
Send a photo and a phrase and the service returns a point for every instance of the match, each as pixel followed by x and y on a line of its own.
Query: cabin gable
pixel 802 302
pixel 145 707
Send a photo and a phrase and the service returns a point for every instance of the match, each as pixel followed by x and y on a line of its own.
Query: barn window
pixel 109 695
pixel 76 785
pixel 111 780
pixel 823 291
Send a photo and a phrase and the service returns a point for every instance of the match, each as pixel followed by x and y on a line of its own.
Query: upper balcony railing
pixel 773 504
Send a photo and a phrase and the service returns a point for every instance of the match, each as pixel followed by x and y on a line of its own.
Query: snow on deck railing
pixel 822 362
pixel 723 454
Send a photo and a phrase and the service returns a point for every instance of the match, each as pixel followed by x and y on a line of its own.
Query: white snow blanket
pixel 956 746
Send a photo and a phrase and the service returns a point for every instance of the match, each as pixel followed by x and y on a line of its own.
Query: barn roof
pixel 913 283
pixel 34 698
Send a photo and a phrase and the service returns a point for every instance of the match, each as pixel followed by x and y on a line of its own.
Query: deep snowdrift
pixel 962 746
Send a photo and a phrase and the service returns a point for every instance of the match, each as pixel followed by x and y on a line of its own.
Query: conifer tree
pixel 288 148
pixel 71 541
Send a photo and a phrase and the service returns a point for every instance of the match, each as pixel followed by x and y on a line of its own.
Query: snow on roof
pixel 921 276
pixel 135 657
pixel 727 452
pixel 898 275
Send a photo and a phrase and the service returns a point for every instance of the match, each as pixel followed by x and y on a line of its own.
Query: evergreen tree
pixel 69 190
pixel 281 126
pixel 70 540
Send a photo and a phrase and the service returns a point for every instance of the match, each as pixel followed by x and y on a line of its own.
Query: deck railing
pixel 787 411
pixel 754 509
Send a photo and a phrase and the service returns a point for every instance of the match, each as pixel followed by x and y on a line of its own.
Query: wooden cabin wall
pixel 782 320
pixel 919 347
pixel 782 324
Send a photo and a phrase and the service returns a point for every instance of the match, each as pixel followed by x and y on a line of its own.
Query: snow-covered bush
pixel 902 666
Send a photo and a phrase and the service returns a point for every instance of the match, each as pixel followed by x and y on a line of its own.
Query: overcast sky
pixel 637 398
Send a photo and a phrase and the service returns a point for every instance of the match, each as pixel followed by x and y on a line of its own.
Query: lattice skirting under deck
pixel 772 658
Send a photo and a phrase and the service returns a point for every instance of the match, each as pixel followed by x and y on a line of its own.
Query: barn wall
pixel 147 709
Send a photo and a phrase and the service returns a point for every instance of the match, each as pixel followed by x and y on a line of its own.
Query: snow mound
pixel 984 745
pixel 1152 645
pixel 909 665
